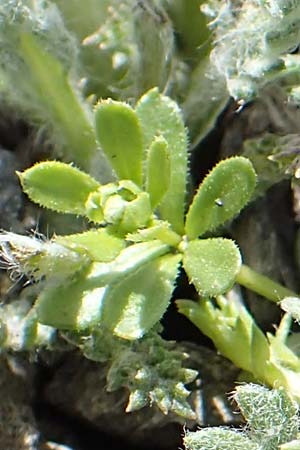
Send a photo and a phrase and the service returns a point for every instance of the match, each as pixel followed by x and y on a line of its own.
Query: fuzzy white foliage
pixel 250 40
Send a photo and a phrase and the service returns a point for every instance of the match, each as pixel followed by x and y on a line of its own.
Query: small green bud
pixel 93 209
pixel 122 204
pixel 114 209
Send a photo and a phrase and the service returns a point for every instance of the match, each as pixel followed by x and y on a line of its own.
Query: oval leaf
pixel 99 245
pixel 58 186
pixel 158 171
pixel 72 306
pixel 222 194
pixel 133 306
pixel 119 133
pixel 160 116
pixel 212 265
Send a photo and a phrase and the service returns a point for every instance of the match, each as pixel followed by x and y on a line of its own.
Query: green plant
pixel 123 272
pixel 120 274
pixel 113 282
pixel 271 423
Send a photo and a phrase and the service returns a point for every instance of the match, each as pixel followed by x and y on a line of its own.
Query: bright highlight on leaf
pixel 222 194
pixel 74 305
pixel 136 304
pixel 212 265
pixel 58 186
pixel 119 133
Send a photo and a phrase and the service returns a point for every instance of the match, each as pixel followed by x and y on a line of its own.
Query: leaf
pixel 58 186
pixel 78 302
pixel 212 265
pixel 127 262
pixel 119 133
pixel 219 438
pixel 271 414
pixel 60 104
pixel 136 213
pixel 160 116
pixel 158 171
pixel 74 305
pixel 234 333
pixel 99 245
pixel 222 194
pixel 133 306
pixel 158 230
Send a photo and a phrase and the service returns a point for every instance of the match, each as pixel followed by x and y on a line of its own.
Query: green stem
pixel 284 327
pixel 262 285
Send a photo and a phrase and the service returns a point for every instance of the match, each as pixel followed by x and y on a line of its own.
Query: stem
pixel 262 285
pixel 284 327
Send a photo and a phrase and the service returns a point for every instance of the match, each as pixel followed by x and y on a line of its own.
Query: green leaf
pixel 160 116
pixel 219 438
pixel 78 302
pixel 99 245
pixel 58 186
pixel 119 133
pixel 60 103
pixel 158 230
pixel 136 213
pixel 158 170
pixel 127 262
pixel 190 24
pixel 222 194
pixel 74 305
pixel 271 414
pixel 234 333
pixel 212 265
pixel 134 305
pixel 130 307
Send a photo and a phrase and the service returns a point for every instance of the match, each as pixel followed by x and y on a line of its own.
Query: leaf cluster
pixel 123 269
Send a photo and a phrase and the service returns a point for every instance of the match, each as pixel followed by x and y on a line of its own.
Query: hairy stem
pixel 262 285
